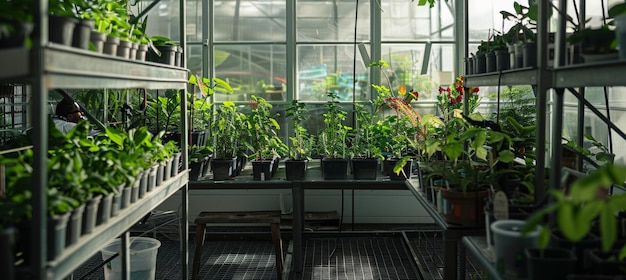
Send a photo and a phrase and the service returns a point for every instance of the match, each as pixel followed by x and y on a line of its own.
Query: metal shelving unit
pixel 46 66
pixel 573 78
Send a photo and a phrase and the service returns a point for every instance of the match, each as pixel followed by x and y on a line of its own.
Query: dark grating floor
pixel 356 258
pixel 360 256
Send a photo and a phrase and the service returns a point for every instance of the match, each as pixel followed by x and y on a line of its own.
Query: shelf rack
pixel 46 66
pixel 559 78
pixel 66 67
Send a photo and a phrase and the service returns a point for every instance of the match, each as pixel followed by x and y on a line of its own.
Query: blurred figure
pixel 67 114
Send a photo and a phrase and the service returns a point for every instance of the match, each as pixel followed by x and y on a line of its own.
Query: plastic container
pixel 509 243
pixel 143 253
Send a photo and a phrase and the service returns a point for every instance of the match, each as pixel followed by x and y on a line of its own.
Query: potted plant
pixel 364 153
pixel 332 140
pixel 225 133
pixel 574 208
pixel 301 143
pixel 265 143
pixel 396 131
pixel 16 23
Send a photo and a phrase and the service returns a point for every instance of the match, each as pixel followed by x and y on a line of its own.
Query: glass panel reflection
pixel 251 69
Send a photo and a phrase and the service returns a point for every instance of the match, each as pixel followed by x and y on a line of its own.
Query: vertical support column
pixel 375 41
pixel 544 80
pixel 124 254
pixel 460 34
pixel 39 119
pixel 184 225
pixel 449 255
pixel 297 193
pixel 291 57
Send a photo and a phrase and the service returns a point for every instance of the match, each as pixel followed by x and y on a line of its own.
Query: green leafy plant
pixel 263 128
pixel 301 142
pixel 225 130
pixel 332 138
pixel 584 201
pixel 363 144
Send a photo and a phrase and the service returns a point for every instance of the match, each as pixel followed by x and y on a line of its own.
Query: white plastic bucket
pixel 143 252
pixel 509 243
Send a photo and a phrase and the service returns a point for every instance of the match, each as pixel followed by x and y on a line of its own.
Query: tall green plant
pixel 332 138
pixel 301 142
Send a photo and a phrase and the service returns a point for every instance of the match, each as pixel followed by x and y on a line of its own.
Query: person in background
pixel 67 114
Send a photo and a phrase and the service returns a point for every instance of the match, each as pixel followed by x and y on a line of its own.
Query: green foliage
pixel 332 138
pixel 363 138
pixel 301 142
pixel 225 130
pixel 263 128
pixel 583 203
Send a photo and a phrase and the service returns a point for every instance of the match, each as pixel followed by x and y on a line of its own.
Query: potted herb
pixel 364 153
pixel 576 206
pixel 395 132
pixel 16 23
pixel 301 143
pixel 225 132
pixel 265 143
pixel 332 140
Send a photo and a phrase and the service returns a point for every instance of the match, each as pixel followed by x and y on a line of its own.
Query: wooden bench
pixel 247 217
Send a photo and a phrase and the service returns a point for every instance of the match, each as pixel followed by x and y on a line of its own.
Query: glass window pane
pixel 321 20
pixel 404 20
pixel 194 59
pixel 419 69
pixel 251 69
pixel 249 20
pixel 323 68
pixel 163 19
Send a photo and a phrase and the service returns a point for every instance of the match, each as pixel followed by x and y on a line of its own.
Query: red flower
pixel 459 98
pixel 475 90
pixel 414 93
pixel 253 104
pixel 440 90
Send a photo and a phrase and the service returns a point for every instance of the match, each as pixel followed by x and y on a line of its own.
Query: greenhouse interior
pixel 372 139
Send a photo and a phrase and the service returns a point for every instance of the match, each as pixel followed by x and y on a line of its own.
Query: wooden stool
pixel 249 217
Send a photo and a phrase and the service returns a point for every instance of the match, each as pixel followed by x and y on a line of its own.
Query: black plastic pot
pixel 262 169
pixel 74 225
pixel 364 168
pixel 98 39
pixel 334 168
pixel 222 168
pixel 61 29
pixel 549 263
pixel 90 215
pixel 82 33
pixel 104 209
pixel 295 169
